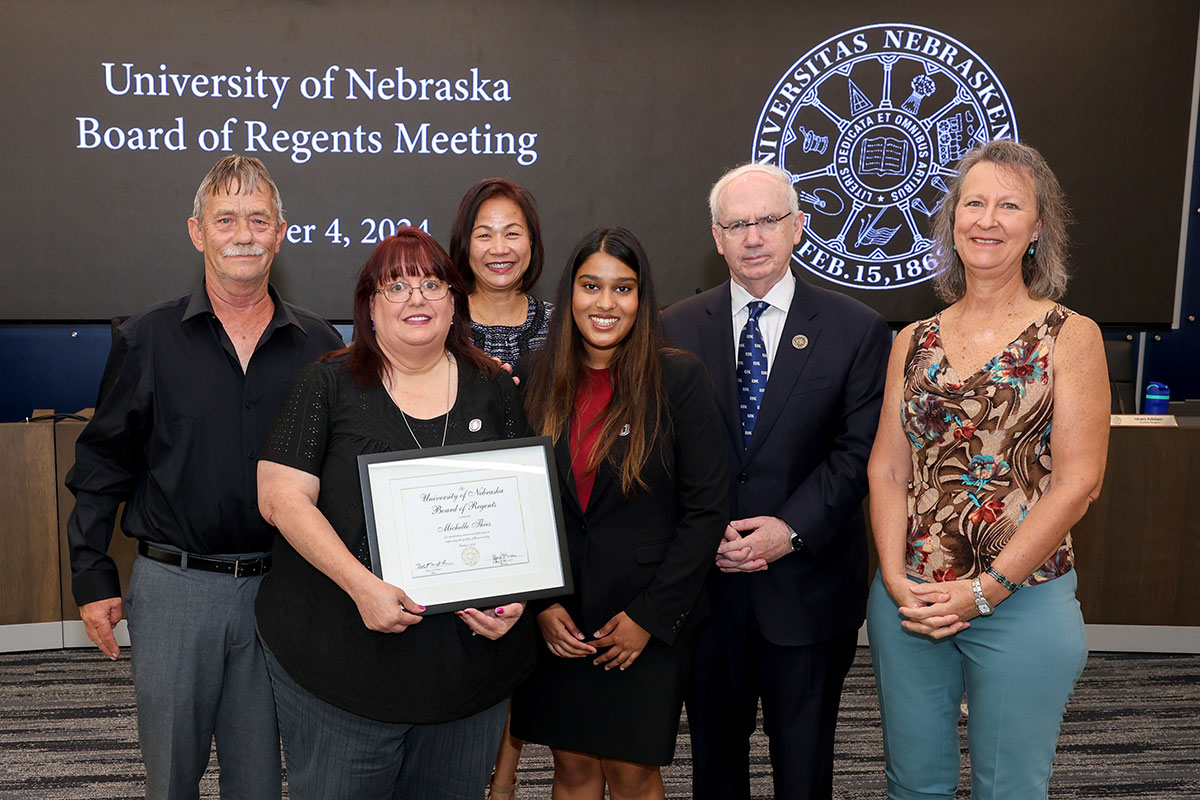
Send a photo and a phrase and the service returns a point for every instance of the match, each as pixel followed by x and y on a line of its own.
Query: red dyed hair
pixel 410 253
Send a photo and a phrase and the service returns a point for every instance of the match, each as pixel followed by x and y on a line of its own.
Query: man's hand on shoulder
pixel 99 618
pixel 751 544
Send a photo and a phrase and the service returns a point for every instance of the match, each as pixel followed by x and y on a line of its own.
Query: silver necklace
pixel 446 426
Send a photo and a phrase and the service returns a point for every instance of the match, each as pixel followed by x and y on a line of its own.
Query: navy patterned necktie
pixel 752 369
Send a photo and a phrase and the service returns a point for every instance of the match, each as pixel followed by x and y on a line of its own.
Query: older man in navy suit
pixel 798 373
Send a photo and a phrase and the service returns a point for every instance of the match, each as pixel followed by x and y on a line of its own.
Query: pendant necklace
pixel 446 426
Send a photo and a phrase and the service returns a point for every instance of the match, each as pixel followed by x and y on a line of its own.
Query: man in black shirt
pixel 189 393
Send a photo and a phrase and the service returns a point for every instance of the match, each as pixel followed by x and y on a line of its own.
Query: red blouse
pixel 591 399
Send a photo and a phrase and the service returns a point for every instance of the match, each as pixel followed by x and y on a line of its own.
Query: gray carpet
pixel 68 730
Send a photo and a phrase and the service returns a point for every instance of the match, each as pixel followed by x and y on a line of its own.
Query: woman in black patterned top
pixel 496 247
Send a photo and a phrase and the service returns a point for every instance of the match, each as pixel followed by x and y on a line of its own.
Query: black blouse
pixel 435 671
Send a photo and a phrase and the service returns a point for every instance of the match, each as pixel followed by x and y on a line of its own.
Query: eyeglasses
pixel 766 225
pixel 401 292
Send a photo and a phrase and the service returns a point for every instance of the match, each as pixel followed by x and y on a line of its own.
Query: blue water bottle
pixel 1158 397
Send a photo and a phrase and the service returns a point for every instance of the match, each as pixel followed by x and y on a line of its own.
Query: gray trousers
pixel 199 674
pixel 333 754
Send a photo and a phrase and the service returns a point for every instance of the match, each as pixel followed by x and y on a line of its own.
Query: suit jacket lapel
pixel 604 477
pixel 789 362
pixel 716 344
pixel 604 483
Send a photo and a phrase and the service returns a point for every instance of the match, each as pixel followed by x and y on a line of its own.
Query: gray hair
pixel 1045 273
pixel 771 171
pixel 236 175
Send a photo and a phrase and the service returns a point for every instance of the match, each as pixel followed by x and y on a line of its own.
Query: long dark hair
pixel 635 370
pixel 464 223
pixel 411 252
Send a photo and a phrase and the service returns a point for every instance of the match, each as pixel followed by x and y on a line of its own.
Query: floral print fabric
pixel 980 451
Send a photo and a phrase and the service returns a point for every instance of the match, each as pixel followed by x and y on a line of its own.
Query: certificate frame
pixel 441 524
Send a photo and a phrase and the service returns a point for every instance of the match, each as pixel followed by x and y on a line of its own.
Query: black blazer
pixel 807 460
pixel 648 554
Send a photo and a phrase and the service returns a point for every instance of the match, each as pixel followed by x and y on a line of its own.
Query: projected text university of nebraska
pixel 364 84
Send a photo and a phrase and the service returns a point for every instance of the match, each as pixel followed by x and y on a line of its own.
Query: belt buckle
pixel 237 569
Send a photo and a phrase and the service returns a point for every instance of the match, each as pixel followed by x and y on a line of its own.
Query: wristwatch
pixel 981 603
pixel 797 542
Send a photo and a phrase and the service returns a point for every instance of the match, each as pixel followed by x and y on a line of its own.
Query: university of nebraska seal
pixel 869 124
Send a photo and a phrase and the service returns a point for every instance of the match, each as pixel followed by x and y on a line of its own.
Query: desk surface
pixel 1138 547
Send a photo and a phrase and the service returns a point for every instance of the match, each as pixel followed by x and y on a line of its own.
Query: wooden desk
pixel 29 576
pixel 1138 547
pixel 35 569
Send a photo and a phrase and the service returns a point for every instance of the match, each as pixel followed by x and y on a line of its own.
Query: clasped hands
pixel 388 609
pixel 623 637
pixel 751 544
pixel 936 610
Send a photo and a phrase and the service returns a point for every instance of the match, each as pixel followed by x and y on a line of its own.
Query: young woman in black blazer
pixel 645 504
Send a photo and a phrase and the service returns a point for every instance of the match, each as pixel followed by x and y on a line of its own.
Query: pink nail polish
pixel 420 606
pixel 499 611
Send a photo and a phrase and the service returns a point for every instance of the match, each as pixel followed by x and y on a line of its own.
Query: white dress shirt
pixel 772 319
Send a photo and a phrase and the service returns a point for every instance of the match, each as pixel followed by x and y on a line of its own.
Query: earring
pixel 1033 248
pixel 954 247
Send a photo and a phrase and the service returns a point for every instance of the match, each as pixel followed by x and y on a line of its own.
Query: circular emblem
pixel 474 425
pixel 470 555
pixel 869 125
pixel 800 341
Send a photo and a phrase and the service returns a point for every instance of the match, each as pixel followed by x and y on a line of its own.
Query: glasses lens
pixel 739 229
pixel 434 290
pixel 396 292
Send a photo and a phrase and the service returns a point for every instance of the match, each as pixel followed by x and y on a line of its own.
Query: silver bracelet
pixel 1001 579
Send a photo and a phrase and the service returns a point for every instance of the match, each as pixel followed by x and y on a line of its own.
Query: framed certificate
pixel 467 526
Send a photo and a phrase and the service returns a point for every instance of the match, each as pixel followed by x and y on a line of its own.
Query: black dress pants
pixel 800 688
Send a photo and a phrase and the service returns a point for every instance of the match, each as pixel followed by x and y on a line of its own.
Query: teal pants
pixel 1017 667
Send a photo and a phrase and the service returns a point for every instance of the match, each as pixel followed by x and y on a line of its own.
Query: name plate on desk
pixel 1143 421
pixel 467 525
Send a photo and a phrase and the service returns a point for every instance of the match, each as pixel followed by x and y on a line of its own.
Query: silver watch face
pixel 981 603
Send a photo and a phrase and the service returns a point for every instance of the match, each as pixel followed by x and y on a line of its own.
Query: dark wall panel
pixel 616 112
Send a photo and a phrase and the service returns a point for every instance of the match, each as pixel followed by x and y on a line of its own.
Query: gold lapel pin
pixel 800 341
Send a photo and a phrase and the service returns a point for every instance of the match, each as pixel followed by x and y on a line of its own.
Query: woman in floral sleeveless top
pixel 991 445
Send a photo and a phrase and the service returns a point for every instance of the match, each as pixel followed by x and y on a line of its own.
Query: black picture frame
pixel 532 485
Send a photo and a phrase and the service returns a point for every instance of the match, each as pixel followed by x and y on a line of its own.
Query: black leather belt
pixel 237 567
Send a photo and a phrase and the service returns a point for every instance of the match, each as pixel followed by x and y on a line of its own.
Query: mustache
pixel 243 250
